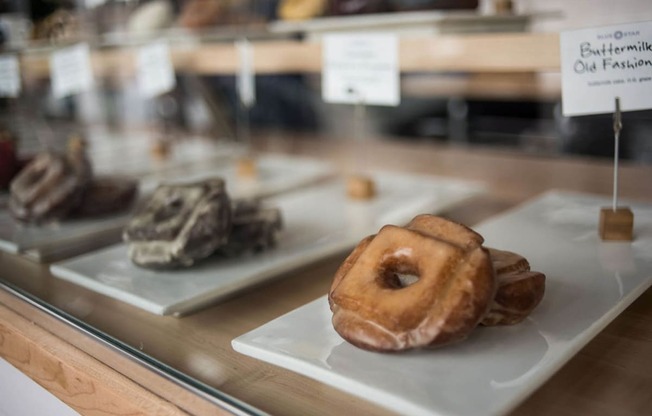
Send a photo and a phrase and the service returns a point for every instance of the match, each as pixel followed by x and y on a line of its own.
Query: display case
pixel 230 97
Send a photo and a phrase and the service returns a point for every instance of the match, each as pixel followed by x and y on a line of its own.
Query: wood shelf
pixel 502 53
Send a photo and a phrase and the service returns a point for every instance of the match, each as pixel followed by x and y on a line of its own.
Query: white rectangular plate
pixel 58 240
pixel 318 221
pixel 589 283
pixel 276 173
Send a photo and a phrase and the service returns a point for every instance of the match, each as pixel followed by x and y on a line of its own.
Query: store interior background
pixel 291 104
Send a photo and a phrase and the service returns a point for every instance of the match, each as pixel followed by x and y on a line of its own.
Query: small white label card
pixel 246 82
pixel 361 68
pixel 70 70
pixel 9 76
pixel 600 64
pixel 154 70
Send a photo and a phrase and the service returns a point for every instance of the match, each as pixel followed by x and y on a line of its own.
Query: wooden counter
pixel 611 375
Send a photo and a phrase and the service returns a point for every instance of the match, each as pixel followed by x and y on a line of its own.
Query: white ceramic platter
pixel 318 221
pixel 132 154
pixel 276 173
pixel 58 240
pixel 68 238
pixel 589 283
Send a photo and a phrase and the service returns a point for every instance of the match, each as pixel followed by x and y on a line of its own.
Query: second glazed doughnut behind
pixel 519 291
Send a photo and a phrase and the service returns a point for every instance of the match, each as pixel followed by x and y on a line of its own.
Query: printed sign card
pixel 154 71
pixel 245 77
pixel 70 70
pixel 9 76
pixel 361 68
pixel 600 64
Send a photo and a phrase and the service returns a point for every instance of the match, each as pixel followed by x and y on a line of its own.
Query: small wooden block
pixel 360 187
pixel 160 150
pixel 617 225
pixel 246 168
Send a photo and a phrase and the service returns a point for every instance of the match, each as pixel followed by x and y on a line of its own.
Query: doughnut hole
pixel 170 209
pixel 397 273
pixel 37 175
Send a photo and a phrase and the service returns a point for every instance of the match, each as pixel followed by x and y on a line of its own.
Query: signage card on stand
pixel 70 70
pixel 361 68
pixel 246 77
pixel 9 76
pixel 608 70
pixel 600 64
pixel 154 70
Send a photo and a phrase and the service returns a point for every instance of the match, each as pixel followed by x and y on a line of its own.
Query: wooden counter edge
pixel 76 378
pixel 88 376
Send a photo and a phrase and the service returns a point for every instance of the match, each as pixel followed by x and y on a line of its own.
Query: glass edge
pixel 210 394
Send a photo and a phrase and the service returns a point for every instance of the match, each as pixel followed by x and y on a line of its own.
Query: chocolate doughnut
pixel 254 228
pixel 520 290
pixel 180 224
pixel 49 187
pixel 424 285
pixel 106 195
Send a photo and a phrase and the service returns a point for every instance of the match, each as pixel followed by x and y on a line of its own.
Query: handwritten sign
pixel 155 73
pixel 361 68
pixel 9 76
pixel 600 64
pixel 245 77
pixel 70 70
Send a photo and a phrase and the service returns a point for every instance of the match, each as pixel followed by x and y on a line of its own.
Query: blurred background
pixel 515 111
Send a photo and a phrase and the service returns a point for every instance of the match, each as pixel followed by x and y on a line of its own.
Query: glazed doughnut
pixel 180 224
pixel 106 195
pixel 520 290
pixel 424 285
pixel 254 228
pixel 49 187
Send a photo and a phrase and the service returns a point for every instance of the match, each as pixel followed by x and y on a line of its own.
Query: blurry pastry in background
pixel 180 224
pixel 150 17
pixel 301 9
pixel 56 186
pixel 50 186
pixel 201 13
pixel 62 25
pixel 8 160
pixel 106 196
pixel 352 7
pixel 415 5
pixel 254 228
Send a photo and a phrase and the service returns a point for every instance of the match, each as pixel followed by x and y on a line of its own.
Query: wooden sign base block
pixel 161 149
pixel 246 168
pixel 617 225
pixel 360 187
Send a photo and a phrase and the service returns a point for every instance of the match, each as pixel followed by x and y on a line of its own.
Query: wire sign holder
pixel 599 66
pixel 616 223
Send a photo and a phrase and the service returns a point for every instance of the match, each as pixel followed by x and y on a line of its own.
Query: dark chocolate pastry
pixel 106 195
pixel 255 228
pixel 49 187
pixel 180 224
